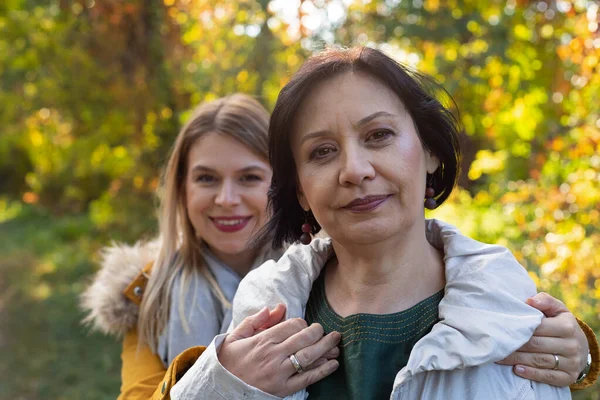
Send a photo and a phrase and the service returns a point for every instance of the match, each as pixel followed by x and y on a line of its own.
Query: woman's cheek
pixel 259 196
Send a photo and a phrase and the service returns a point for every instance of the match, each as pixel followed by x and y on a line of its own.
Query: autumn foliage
pixel 93 92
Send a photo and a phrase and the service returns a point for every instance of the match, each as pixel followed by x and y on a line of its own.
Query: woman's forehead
pixel 352 96
pixel 222 152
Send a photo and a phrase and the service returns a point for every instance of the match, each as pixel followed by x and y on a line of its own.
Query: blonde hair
pixel 238 116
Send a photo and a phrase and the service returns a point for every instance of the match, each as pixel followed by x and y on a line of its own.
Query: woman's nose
pixel 227 195
pixel 357 166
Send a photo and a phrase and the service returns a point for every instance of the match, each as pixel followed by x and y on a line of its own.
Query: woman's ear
pixel 302 199
pixel 432 162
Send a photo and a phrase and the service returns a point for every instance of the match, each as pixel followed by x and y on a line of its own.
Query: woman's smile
pixel 230 224
pixel 367 203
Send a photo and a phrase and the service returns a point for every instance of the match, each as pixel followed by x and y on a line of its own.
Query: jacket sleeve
pixel 208 379
pixel 143 375
pixel 592 375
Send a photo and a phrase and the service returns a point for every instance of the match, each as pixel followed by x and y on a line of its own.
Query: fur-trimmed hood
pixel 108 309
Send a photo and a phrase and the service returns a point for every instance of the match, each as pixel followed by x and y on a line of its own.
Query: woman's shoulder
pixel 485 381
pixel 296 261
pixel 112 298
pixel 467 258
pixel 287 280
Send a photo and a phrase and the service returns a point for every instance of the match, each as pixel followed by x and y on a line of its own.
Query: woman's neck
pixel 386 277
pixel 241 262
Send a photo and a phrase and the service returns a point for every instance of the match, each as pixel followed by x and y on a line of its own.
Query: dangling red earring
pixel 430 202
pixel 307 228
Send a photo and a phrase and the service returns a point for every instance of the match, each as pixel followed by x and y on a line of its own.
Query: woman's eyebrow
pixel 313 135
pixel 203 169
pixel 362 122
pixel 249 168
pixel 373 116
pixel 252 168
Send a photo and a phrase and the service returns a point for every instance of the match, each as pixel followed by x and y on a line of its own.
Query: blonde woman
pixel 169 298
pixel 213 199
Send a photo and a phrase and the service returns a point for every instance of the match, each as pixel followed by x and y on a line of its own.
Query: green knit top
pixel 373 347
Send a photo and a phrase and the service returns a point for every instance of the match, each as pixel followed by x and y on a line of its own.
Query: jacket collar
pixel 483 315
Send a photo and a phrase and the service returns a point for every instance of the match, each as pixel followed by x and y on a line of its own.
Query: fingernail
pixel 519 369
pixel 333 365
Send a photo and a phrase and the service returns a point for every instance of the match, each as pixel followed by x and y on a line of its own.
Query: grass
pixel 46 353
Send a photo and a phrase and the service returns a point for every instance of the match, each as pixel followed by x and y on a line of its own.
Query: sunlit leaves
pixel 487 162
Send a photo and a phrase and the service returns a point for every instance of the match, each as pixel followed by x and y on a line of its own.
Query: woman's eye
pixel 205 179
pixel 251 178
pixel 322 152
pixel 379 135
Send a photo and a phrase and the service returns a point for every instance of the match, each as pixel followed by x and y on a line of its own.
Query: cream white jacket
pixel 483 319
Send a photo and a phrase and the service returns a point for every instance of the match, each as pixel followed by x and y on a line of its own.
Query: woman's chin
pixel 363 235
pixel 229 248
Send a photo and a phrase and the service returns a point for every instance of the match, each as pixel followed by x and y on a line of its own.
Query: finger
pixel 276 315
pixel 316 364
pixel 305 379
pixel 309 355
pixel 284 330
pixel 550 345
pixel 548 376
pixel 333 353
pixel 562 326
pixel 538 360
pixel 550 306
pixel 302 339
pixel 330 355
pixel 248 327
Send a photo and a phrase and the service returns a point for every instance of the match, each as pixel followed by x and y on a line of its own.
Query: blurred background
pixel 93 92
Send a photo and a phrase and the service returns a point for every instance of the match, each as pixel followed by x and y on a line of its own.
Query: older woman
pixel 359 145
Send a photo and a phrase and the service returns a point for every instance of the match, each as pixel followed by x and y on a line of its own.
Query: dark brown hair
pixel 436 126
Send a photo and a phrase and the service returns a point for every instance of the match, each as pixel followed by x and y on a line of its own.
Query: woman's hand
pixel 559 334
pixel 258 352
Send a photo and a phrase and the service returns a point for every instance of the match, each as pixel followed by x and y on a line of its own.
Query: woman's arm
pixel 261 358
pixel 143 375
pixel 253 360
pixel 560 334
pixel 141 370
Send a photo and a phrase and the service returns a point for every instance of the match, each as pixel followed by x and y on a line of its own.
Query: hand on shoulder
pixel 258 351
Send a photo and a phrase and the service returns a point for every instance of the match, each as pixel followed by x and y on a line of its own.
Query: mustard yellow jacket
pixel 143 375
pixel 112 302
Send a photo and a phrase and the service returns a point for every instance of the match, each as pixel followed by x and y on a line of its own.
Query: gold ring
pixel 296 364
pixel 556 362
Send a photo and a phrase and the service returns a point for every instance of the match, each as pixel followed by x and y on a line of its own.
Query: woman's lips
pixel 230 224
pixel 367 203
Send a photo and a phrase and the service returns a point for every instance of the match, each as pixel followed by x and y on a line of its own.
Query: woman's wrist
pixel 586 370
pixel 594 351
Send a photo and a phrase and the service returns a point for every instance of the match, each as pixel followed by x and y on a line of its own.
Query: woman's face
pixel 361 166
pixel 226 193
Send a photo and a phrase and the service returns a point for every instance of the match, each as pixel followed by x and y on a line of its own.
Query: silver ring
pixel 556 362
pixel 296 364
